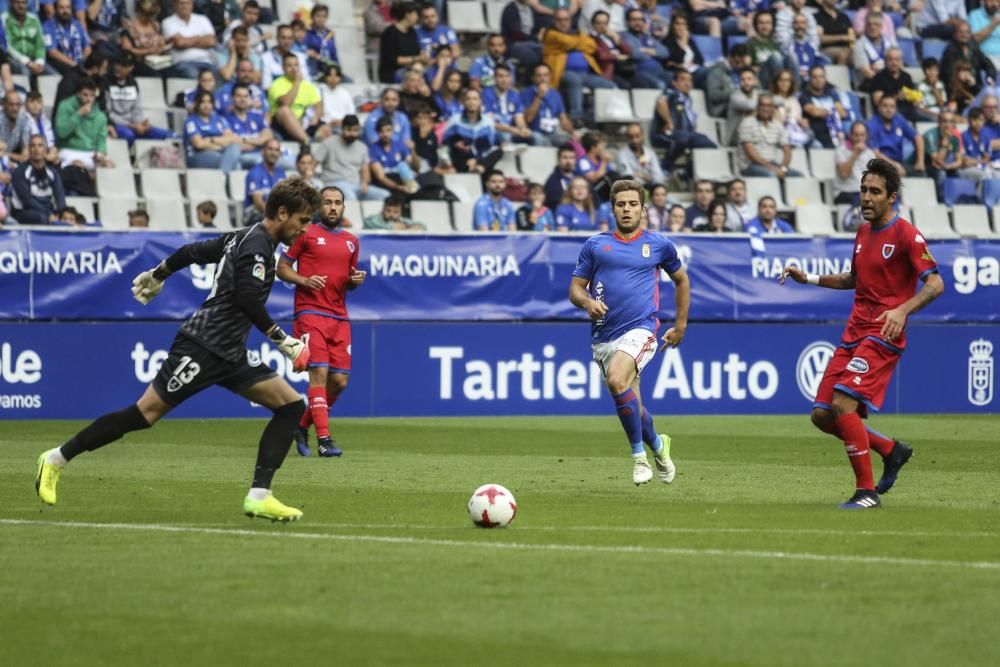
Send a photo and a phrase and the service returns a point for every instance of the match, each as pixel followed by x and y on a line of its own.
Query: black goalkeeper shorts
pixel 189 368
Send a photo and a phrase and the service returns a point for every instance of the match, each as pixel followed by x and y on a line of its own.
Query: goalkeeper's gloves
pixel 295 349
pixel 148 284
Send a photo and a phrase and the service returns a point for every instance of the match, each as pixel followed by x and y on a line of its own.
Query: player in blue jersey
pixel 616 281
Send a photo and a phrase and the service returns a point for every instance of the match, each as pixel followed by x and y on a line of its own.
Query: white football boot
pixel 664 466
pixel 641 472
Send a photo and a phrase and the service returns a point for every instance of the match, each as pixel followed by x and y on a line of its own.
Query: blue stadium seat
pixel 960 191
pixel 733 40
pixel 710 47
pixel 933 48
pixel 909 49
pixel 991 192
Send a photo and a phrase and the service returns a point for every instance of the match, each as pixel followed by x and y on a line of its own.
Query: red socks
pixel 855 436
pixel 880 443
pixel 319 411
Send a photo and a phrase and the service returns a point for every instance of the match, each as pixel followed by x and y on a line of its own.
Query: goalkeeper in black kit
pixel 211 349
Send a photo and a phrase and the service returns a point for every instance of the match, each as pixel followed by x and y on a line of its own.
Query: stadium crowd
pixel 507 115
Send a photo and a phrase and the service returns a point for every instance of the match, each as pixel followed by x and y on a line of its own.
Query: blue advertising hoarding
pixel 81 370
pixel 87 276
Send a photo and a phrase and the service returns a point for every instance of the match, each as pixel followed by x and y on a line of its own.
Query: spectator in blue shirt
pixel 636 48
pixel 494 212
pixel 767 220
pixel 208 140
pixel 245 75
pixel 252 129
pixel 44 9
pixel 562 175
pixel 894 139
pixel 576 212
pixel 483 68
pixel 504 103
pixel 321 47
pixel 471 137
pixel 544 111
pixel 448 97
pixel 976 144
pixel 595 164
pixel 390 109
pixel 392 163
pixel 432 35
pixel 264 176
pixel 66 40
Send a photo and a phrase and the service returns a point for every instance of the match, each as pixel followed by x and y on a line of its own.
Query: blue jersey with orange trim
pixel 625 275
pixel 322 251
pixel 887 263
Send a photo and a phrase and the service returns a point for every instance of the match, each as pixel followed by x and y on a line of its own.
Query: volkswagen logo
pixel 811 365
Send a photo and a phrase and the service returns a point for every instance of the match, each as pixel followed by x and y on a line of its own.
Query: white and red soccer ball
pixel 492 506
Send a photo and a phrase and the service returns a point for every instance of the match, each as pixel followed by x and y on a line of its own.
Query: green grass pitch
pixel 743 560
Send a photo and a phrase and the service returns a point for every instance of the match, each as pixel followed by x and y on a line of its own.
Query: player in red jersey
pixel 327 269
pixel 890 256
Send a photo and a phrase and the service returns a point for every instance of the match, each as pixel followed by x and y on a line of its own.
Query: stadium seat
pixel 814 219
pixel 167 214
pixel 158 118
pixel 537 162
pixel 803 191
pixel 434 214
pixel 800 161
pixel 972 220
pixel 341 13
pixel 923 127
pixel 710 47
pixel 47 86
pixel 21 81
pixel 919 191
pixel 206 184
pixel 85 205
pixel 223 218
pixel 932 221
pixel 823 164
pixel 494 13
pixel 698 102
pixel 758 187
pixel 713 164
pixel 644 101
pixel 355 66
pixel 118 153
pixel 909 49
pixel 991 192
pixel 113 213
pixel 144 149
pixel 956 191
pixel 933 48
pixel 370 207
pixel 612 105
pixel 116 184
pixel 839 76
pixel 461 216
pixel 467 187
pixel 467 17
pixel 175 86
pixel 709 126
pixel 238 185
pixel 353 213
pixel 151 92
pixel 916 73
pixel 161 184
pixel 508 164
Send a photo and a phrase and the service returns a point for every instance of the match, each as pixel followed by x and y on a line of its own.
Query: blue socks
pixel 649 434
pixel 628 412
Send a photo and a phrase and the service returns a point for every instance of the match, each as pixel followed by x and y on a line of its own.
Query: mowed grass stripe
pixel 465 544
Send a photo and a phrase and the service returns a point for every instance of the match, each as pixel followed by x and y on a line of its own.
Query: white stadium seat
pixel 972 220
pixel 800 161
pixel 537 162
pixel 161 184
pixel 467 187
pixel 839 76
pixel 206 184
pixel 760 186
pixel 467 17
pixel 352 212
pixel 932 221
pixel 85 205
pixel 814 219
pixel 116 183
pixel 713 164
pixel 151 92
pixel 461 215
pixel 612 105
pixel 435 215
pixel 166 214
pixel 644 101
pixel 238 185
pixel 113 213
pixel 802 191
pixel 118 153
pixel 823 164
pixel 919 191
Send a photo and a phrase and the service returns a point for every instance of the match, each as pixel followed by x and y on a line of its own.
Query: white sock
pixel 658 446
pixel 259 494
pixel 56 458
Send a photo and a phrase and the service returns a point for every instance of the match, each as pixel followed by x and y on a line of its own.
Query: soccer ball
pixel 492 506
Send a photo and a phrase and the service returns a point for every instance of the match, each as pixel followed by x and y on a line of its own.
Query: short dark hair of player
pixel 628 185
pixel 332 187
pixel 86 83
pixel 208 208
pixel 885 169
pixel 590 140
pixel 975 113
pixel 493 172
pixel 295 195
pixel 350 120
pixel 383 122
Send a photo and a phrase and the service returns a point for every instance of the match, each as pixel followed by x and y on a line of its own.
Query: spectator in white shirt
pixel 337 101
pixel 192 38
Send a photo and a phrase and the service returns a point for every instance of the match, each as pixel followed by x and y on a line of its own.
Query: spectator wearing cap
pixel 123 103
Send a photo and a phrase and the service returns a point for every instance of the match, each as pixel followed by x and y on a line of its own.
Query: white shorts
pixel 640 344
pixel 69 155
